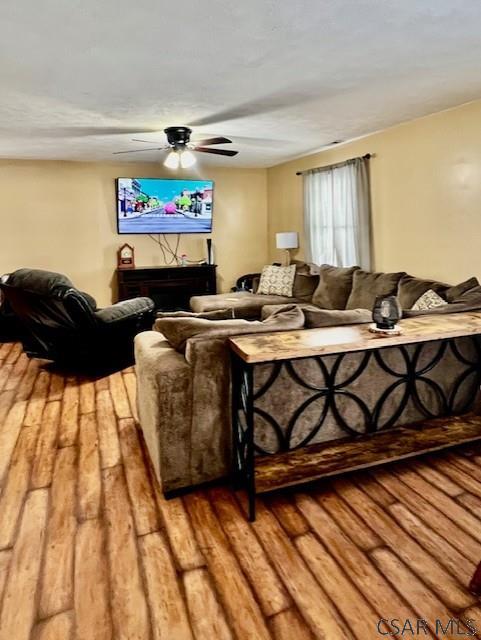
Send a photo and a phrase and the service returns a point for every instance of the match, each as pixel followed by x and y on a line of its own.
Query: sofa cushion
pixel 243 303
pixel 305 282
pixel 411 289
pixel 179 330
pixel 277 281
pixel 471 297
pixel 316 317
pixel 452 293
pixel 334 288
pixel 368 285
pixel 220 314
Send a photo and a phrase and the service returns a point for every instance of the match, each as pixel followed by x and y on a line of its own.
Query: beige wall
pixel 62 216
pixel 426 194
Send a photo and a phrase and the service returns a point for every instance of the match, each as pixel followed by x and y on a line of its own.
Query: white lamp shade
pixel 287 240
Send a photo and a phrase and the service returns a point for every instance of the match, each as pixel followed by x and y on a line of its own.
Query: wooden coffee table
pixel 268 472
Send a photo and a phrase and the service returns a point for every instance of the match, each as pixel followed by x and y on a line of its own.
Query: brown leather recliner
pixel 63 324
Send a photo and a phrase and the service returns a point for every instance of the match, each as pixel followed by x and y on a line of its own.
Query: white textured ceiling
pixel 80 78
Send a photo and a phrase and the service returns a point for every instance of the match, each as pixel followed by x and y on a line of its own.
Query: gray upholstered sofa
pixel 183 371
pixel 343 289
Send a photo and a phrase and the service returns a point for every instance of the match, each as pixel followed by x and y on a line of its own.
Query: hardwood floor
pixel 90 550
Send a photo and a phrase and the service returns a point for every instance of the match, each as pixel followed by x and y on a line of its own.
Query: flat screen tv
pixel 161 205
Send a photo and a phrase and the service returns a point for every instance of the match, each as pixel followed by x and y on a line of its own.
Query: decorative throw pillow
pixel 429 300
pixel 277 281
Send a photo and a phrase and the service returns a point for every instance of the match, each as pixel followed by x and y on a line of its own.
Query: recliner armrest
pixel 125 309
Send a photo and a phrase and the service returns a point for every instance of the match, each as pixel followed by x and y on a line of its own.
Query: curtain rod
pixel 332 166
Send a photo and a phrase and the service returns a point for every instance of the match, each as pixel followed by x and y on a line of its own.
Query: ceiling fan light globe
pixel 187 159
pixel 172 161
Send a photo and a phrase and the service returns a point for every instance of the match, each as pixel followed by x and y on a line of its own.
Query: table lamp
pixel 287 240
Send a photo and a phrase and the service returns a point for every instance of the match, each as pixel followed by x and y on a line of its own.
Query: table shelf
pixel 323 460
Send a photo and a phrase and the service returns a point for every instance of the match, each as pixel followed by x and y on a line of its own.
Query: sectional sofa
pixel 349 290
pixel 183 369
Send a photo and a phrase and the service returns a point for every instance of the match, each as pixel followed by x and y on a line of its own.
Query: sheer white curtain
pixel 337 214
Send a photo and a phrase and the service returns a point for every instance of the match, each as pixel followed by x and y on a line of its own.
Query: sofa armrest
pixel 125 309
pixel 315 317
pixel 164 397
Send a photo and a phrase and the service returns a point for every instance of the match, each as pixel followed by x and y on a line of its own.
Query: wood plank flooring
pixel 90 550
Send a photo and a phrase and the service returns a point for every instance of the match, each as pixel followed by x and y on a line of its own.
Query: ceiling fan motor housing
pixel 178 136
pixel 179 141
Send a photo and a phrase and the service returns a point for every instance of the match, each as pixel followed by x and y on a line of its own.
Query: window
pixel 337 214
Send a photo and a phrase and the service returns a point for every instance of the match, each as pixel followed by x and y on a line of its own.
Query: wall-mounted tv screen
pixel 159 205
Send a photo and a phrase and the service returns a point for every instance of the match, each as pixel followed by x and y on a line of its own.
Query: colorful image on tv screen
pixel 154 205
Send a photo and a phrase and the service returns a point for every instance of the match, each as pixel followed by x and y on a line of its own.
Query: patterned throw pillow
pixel 277 281
pixel 429 300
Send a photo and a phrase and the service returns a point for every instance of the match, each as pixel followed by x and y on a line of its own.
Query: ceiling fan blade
pixel 148 142
pixel 219 152
pixel 208 141
pixel 139 150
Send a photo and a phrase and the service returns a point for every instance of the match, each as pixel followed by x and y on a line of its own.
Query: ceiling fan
pixel 181 147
